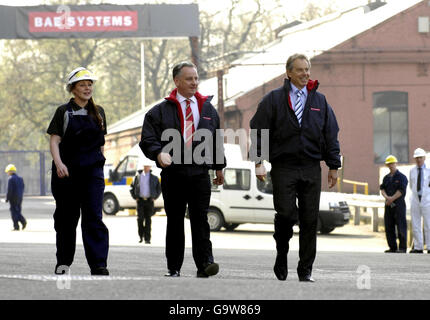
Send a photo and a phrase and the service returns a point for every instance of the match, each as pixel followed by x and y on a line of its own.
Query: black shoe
pixel 15 229
pixel 281 267
pixel 147 242
pixel 24 225
pixel 416 251
pixel 401 251
pixel 100 271
pixel 209 270
pixel 141 239
pixel 390 250
pixel 173 273
pixel 306 278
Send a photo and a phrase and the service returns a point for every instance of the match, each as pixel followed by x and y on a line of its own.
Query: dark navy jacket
pixel 15 189
pixel 168 115
pixel 292 144
pixel 154 186
pixel 393 183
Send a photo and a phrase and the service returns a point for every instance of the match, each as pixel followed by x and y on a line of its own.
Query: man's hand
pixel 260 172
pixel 332 178
pixel 219 180
pixel 164 159
pixel 389 201
pixel 62 170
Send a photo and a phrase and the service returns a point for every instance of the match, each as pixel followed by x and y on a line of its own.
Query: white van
pixel 117 187
pixel 245 199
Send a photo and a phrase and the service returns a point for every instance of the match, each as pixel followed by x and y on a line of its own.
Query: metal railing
pixel 354 185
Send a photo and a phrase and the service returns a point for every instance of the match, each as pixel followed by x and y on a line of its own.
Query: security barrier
pixel 33 166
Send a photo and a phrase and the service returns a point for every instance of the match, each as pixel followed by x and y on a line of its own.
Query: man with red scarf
pixel 180 135
pixel 302 132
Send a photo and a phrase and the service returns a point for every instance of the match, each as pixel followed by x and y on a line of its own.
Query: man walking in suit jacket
pixel 186 115
pixel 145 189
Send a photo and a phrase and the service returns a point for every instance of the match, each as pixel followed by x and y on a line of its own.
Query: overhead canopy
pixel 99 21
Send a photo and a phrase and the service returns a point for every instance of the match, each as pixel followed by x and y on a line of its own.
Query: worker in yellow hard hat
pixel 393 189
pixel 14 195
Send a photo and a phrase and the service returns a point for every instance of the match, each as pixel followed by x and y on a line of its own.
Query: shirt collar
pixel 75 106
pixel 181 98
pixel 295 89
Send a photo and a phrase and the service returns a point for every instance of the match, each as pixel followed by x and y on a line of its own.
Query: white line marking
pixel 36 277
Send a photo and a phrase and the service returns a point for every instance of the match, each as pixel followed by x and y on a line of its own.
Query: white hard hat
pixel 145 162
pixel 79 74
pixel 419 153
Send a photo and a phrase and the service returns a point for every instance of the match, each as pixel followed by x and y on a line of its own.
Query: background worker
pixel 393 189
pixel 14 195
pixel 77 138
pixel 419 178
pixel 145 188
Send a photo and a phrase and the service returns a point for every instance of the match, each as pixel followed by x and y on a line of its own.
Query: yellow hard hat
pixel 390 159
pixel 10 167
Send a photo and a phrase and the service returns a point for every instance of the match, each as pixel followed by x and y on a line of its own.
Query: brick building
pixel 372 64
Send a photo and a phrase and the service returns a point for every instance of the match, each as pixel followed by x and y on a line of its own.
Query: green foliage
pixel 33 73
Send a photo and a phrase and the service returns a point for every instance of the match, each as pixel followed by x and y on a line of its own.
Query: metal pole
pixel 220 74
pixel 42 173
pixel 142 74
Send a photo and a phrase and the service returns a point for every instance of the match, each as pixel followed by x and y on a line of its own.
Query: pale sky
pixel 291 7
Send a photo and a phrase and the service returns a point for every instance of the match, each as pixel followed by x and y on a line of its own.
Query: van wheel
pixel 326 230
pixel 215 219
pixel 110 204
pixel 231 226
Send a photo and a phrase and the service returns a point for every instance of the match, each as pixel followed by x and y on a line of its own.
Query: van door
pixel 264 211
pixel 120 181
pixel 237 194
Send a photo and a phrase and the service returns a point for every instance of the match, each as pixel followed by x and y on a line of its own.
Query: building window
pixel 390 125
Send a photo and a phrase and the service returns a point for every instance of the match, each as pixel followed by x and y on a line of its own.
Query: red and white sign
pixel 83 21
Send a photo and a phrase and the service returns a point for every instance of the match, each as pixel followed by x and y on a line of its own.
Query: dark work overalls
pixel 395 215
pixel 82 192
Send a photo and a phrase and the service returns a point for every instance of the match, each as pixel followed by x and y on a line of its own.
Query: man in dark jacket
pixel 393 189
pixel 181 135
pixel 145 188
pixel 15 193
pixel 302 131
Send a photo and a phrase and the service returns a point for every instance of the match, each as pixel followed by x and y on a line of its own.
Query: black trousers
pixel 395 220
pixel 145 210
pixel 292 186
pixel 179 190
pixel 15 211
pixel 82 192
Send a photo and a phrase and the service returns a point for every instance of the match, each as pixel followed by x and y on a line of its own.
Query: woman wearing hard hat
pixel 77 137
pixel 393 189
pixel 14 195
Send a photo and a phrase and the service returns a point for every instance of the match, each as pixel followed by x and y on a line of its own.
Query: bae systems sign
pixel 99 21
pixel 84 21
